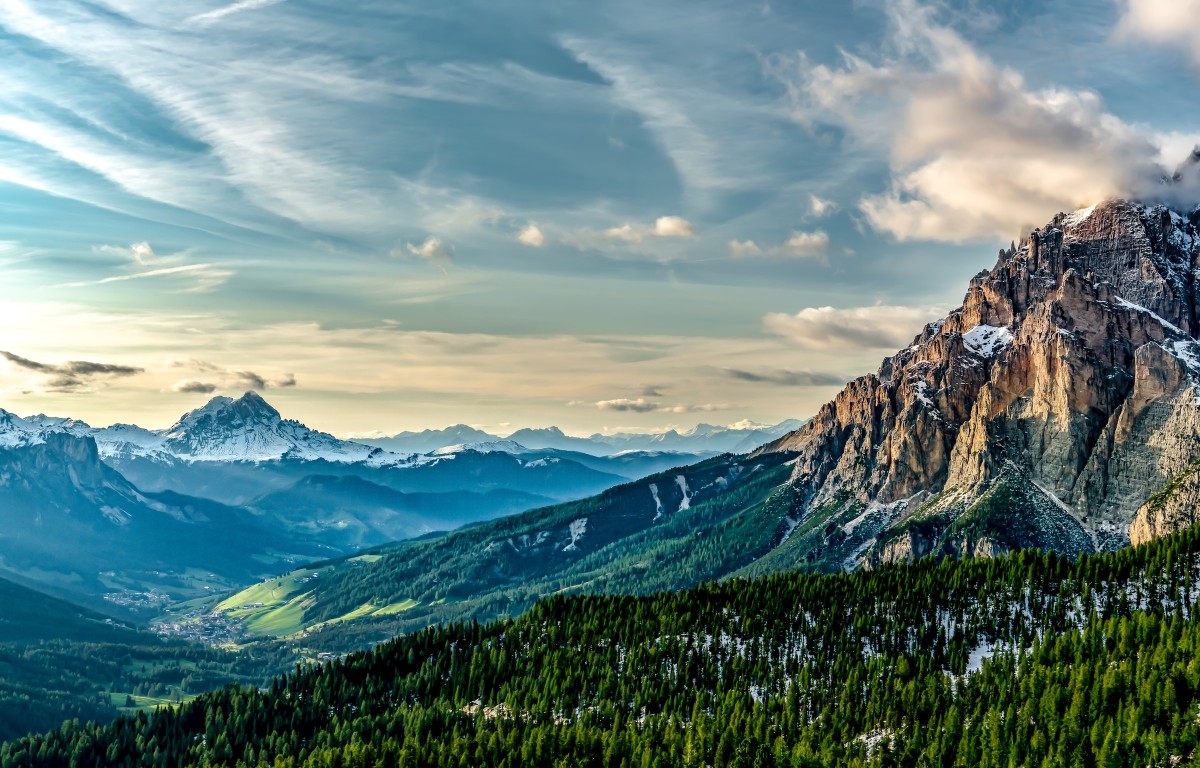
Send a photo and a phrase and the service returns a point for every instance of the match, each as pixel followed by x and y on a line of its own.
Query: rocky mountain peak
pixel 1064 384
pixel 250 429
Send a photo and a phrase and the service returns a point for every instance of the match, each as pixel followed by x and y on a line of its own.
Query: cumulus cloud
pixel 742 248
pixel 820 207
pixel 974 151
pixel 1164 22
pixel 806 245
pixel 785 378
pixel 69 377
pixel 532 236
pixel 877 327
pixel 664 226
pixel 673 226
pixel 432 249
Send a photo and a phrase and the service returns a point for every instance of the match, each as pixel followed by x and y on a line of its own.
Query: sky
pixel 600 215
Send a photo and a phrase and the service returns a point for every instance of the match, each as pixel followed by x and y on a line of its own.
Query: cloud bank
pixel 71 377
pixel 974 151
pixel 1165 22
pixel 878 327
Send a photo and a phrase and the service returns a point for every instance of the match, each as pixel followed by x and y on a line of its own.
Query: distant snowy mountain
pixel 429 440
pixel 736 438
pixel 555 438
pixel 16 432
pixel 249 429
pixel 703 439
pixel 490 446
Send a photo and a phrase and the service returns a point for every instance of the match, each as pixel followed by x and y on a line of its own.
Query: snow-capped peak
pixel 16 432
pixel 493 446
pixel 250 429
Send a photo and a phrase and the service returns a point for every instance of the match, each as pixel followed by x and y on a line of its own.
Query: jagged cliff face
pixel 1045 411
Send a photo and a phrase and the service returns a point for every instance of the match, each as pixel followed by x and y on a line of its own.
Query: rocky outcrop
pixel 1068 374
pixel 1174 507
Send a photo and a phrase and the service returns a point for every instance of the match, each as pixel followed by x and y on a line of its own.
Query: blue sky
pixel 606 215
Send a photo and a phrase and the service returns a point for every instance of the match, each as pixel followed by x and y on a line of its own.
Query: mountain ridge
pixel 1067 378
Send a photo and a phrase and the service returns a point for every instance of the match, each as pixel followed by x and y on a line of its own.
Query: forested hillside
pixel 672 530
pixel 59 661
pixel 1029 659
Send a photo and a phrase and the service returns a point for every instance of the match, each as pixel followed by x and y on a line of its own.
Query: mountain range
pixel 1057 408
pixel 742 437
pixel 233 491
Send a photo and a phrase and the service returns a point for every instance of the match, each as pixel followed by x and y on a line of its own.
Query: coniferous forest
pixel 1025 660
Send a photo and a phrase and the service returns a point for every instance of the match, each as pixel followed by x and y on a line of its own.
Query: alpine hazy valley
pixel 257 254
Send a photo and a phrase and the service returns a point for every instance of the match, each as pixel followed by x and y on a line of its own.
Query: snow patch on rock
pixel 576 530
pixel 686 501
pixel 658 507
pixel 987 341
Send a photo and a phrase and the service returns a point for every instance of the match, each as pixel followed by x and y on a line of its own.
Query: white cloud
pixel 741 248
pixel 1166 22
pixel 626 232
pixel 974 151
pixel 642 405
pixel 532 236
pixel 664 226
pixel 806 245
pixel 220 13
pixel 639 405
pixel 821 207
pixel 142 253
pixel 673 226
pixel 200 278
pixel 701 408
pixel 877 327
pixel 432 249
pixel 208 276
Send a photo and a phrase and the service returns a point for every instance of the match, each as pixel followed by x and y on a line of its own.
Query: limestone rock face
pixel 1044 411
pixel 1175 507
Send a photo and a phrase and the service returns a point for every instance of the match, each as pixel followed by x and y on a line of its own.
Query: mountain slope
pixel 430 440
pixel 1025 660
pixel 70 521
pixel 62 662
pixel 666 531
pixel 349 512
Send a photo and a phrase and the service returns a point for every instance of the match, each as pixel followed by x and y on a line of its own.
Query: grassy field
pixel 276 607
